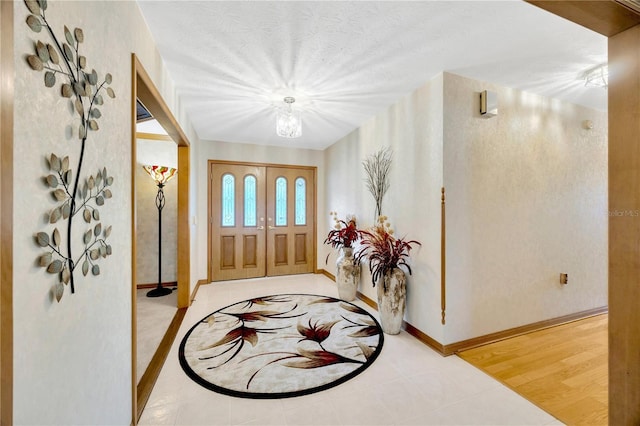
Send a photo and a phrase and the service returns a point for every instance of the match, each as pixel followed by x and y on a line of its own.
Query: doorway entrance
pixel 261 220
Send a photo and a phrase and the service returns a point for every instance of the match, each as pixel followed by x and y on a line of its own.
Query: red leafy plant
pixel 344 232
pixel 384 251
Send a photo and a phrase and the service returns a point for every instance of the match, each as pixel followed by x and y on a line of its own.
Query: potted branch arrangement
pixel 343 236
pixel 386 255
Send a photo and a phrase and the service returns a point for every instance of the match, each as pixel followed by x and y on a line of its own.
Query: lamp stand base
pixel 159 291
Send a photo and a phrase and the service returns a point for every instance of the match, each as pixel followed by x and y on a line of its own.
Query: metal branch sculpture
pixel 377 167
pixel 73 193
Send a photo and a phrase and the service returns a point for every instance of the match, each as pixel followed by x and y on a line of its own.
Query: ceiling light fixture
pixel 597 76
pixel 288 121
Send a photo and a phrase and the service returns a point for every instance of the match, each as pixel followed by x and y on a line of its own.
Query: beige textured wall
pixel 73 359
pixel 163 153
pixel 213 150
pixel 526 200
pixel 413 129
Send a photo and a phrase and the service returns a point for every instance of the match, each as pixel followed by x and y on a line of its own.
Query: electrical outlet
pixel 564 278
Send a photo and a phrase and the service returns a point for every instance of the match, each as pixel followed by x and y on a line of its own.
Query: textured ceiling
pixel 234 61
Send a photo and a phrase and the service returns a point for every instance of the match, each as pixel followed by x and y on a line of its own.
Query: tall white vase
pixel 348 274
pixel 392 296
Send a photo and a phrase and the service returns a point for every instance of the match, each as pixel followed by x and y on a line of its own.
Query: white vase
pixel 348 274
pixel 392 296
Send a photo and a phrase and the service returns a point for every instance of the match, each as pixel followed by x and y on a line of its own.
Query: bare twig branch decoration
pixel 377 167
pixel 74 193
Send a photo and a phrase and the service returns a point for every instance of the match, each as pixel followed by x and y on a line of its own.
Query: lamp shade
pixel 160 174
pixel 288 120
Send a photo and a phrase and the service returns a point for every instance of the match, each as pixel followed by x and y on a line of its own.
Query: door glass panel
pixel 250 206
pixel 228 200
pixel 281 201
pixel 301 201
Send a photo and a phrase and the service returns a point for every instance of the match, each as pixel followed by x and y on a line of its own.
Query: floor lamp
pixel 161 175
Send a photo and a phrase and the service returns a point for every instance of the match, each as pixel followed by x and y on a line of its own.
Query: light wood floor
pixel 563 369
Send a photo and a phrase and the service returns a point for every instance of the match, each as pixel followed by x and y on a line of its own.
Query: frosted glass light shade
pixel 160 174
pixel 289 121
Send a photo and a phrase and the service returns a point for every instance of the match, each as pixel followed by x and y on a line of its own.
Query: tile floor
pixel 153 317
pixel 409 384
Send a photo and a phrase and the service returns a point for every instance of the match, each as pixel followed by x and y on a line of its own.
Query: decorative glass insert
pixel 250 205
pixel 301 201
pixel 228 200
pixel 281 201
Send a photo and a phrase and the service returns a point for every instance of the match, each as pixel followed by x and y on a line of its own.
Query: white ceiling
pixel 234 61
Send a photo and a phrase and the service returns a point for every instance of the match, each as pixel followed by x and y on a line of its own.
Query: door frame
pixel 143 88
pixel 211 163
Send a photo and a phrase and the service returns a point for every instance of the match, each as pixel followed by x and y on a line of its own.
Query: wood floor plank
pixel 562 369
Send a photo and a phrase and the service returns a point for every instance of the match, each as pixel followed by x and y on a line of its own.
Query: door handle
pixel 272 227
pixel 260 228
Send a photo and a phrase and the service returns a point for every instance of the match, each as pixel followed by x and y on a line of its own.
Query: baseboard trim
pixel 148 379
pixel 524 329
pixel 154 285
pixel 195 290
pixel 326 274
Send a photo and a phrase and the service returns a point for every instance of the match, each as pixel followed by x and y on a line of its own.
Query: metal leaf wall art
pixel 75 195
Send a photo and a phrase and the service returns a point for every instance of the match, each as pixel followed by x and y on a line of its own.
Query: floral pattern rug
pixel 280 346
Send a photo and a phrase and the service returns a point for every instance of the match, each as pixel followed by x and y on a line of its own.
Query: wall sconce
pixel 587 124
pixel 488 104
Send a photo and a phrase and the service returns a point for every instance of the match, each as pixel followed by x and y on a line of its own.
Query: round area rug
pixel 280 346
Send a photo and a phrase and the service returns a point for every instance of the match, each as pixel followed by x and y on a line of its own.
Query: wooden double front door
pixel 262 220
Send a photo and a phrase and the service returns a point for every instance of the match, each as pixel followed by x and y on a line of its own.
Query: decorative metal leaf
pixel 42 51
pixel 34 23
pixel 97 230
pixel 60 194
pixel 103 251
pixel 95 270
pixel 82 60
pixel 96 215
pixel 33 5
pixel 99 200
pixel 107 231
pixel 52 181
pixel 67 177
pixel 111 93
pixel 85 189
pixel 54 163
pixel 109 250
pixel 68 36
pixel 68 52
pixel 35 63
pixel 109 181
pixel 45 259
pixel 79 34
pixel 87 89
pixel 95 113
pixel 79 89
pixel 79 108
pixel 87 237
pixel 65 276
pixel 43 4
pixel 85 267
pixel 82 132
pixel 55 267
pixel 49 79
pixel 86 214
pixel 104 172
pixel 66 90
pixel 58 291
pixel 99 177
pixel 91 183
pixel 42 238
pixel 108 78
pixel 93 125
pixel 64 164
pixel 94 254
pixel 66 211
pixel 55 236
pixel 93 77
pixel 99 100
pixel 53 54
pixel 107 193
pixel 55 215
